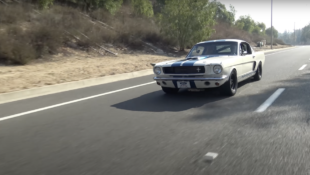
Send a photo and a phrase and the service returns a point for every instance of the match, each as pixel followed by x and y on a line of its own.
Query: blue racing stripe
pixel 192 83
pixel 190 63
pixel 176 64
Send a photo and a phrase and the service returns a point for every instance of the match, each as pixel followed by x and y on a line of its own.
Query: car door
pixel 248 58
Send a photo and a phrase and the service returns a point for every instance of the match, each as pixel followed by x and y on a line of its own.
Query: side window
pixel 245 47
pixel 248 48
pixel 241 49
pixel 197 51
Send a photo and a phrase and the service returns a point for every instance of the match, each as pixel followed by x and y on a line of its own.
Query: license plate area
pixel 183 84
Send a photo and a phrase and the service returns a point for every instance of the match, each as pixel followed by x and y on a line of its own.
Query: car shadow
pixel 158 101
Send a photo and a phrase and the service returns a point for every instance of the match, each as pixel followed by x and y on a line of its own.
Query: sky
pixel 285 12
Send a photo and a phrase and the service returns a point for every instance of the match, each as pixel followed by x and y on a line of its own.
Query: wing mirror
pixel 244 52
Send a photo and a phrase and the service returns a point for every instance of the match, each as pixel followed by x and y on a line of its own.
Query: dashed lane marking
pixel 270 100
pixel 302 67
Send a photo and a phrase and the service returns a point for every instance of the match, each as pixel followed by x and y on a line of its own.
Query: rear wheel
pixel 170 90
pixel 231 86
pixel 259 73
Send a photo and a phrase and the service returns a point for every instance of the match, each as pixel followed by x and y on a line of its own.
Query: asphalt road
pixel 143 131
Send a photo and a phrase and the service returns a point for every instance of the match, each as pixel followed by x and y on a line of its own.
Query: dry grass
pixel 71 65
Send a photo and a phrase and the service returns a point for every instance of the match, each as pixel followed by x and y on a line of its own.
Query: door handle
pixel 253 57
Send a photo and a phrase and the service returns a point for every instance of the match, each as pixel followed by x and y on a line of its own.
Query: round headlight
pixel 217 69
pixel 157 70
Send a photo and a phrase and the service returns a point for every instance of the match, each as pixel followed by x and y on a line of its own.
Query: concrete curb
pixel 52 89
pixel 273 50
pixel 46 90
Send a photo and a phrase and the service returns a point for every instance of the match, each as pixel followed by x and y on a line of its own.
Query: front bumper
pixel 195 82
pixel 224 77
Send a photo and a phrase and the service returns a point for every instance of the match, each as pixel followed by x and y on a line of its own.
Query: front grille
pixel 184 70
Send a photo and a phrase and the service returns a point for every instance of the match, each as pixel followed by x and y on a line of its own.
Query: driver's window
pixel 197 51
pixel 248 48
pixel 244 49
pixel 241 49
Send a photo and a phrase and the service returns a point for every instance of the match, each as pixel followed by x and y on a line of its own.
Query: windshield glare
pixel 216 48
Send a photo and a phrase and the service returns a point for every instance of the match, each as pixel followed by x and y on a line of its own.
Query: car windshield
pixel 214 48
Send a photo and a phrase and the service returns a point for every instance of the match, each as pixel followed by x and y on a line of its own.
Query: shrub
pixel 11 14
pixel 152 37
pixel 15 52
pixel 45 39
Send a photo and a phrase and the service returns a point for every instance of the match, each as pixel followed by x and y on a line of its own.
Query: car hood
pixel 197 61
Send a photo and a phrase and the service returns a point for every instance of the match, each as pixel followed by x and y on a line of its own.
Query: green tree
pixel 305 35
pixel 262 27
pixel 259 28
pixel 275 32
pixel 45 3
pixel 143 7
pixel 111 5
pixel 239 24
pixel 246 23
pixel 222 14
pixel 158 6
pixel 187 22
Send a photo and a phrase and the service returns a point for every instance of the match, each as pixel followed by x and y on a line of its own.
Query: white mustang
pixel 209 64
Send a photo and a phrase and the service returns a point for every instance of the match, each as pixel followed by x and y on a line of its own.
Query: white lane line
pixel 270 100
pixel 70 102
pixel 302 67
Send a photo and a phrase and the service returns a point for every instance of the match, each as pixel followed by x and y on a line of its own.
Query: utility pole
pixel 271 25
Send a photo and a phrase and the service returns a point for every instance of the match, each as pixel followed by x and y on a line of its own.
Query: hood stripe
pixel 178 63
pixel 184 62
pixel 190 63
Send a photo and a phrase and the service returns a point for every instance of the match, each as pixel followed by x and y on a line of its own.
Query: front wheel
pixel 231 86
pixel 259 73
pixel 170 90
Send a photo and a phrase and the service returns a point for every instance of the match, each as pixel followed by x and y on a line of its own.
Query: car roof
pixel 222 40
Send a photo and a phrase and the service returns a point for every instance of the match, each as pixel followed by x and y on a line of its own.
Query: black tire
pixel 259 73
pixel 170 90
pixel 231 86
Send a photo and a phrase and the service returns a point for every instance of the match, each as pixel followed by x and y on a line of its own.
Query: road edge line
pixel 72 101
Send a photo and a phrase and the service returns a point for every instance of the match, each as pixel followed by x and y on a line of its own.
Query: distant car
pixel 211 64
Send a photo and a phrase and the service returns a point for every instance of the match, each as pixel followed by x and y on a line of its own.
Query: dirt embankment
pixel 72 66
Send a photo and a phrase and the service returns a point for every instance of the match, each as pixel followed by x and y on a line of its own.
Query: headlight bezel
pixel 157 68
pixel 219 67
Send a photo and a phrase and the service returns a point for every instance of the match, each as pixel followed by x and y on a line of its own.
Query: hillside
pixel 29 33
